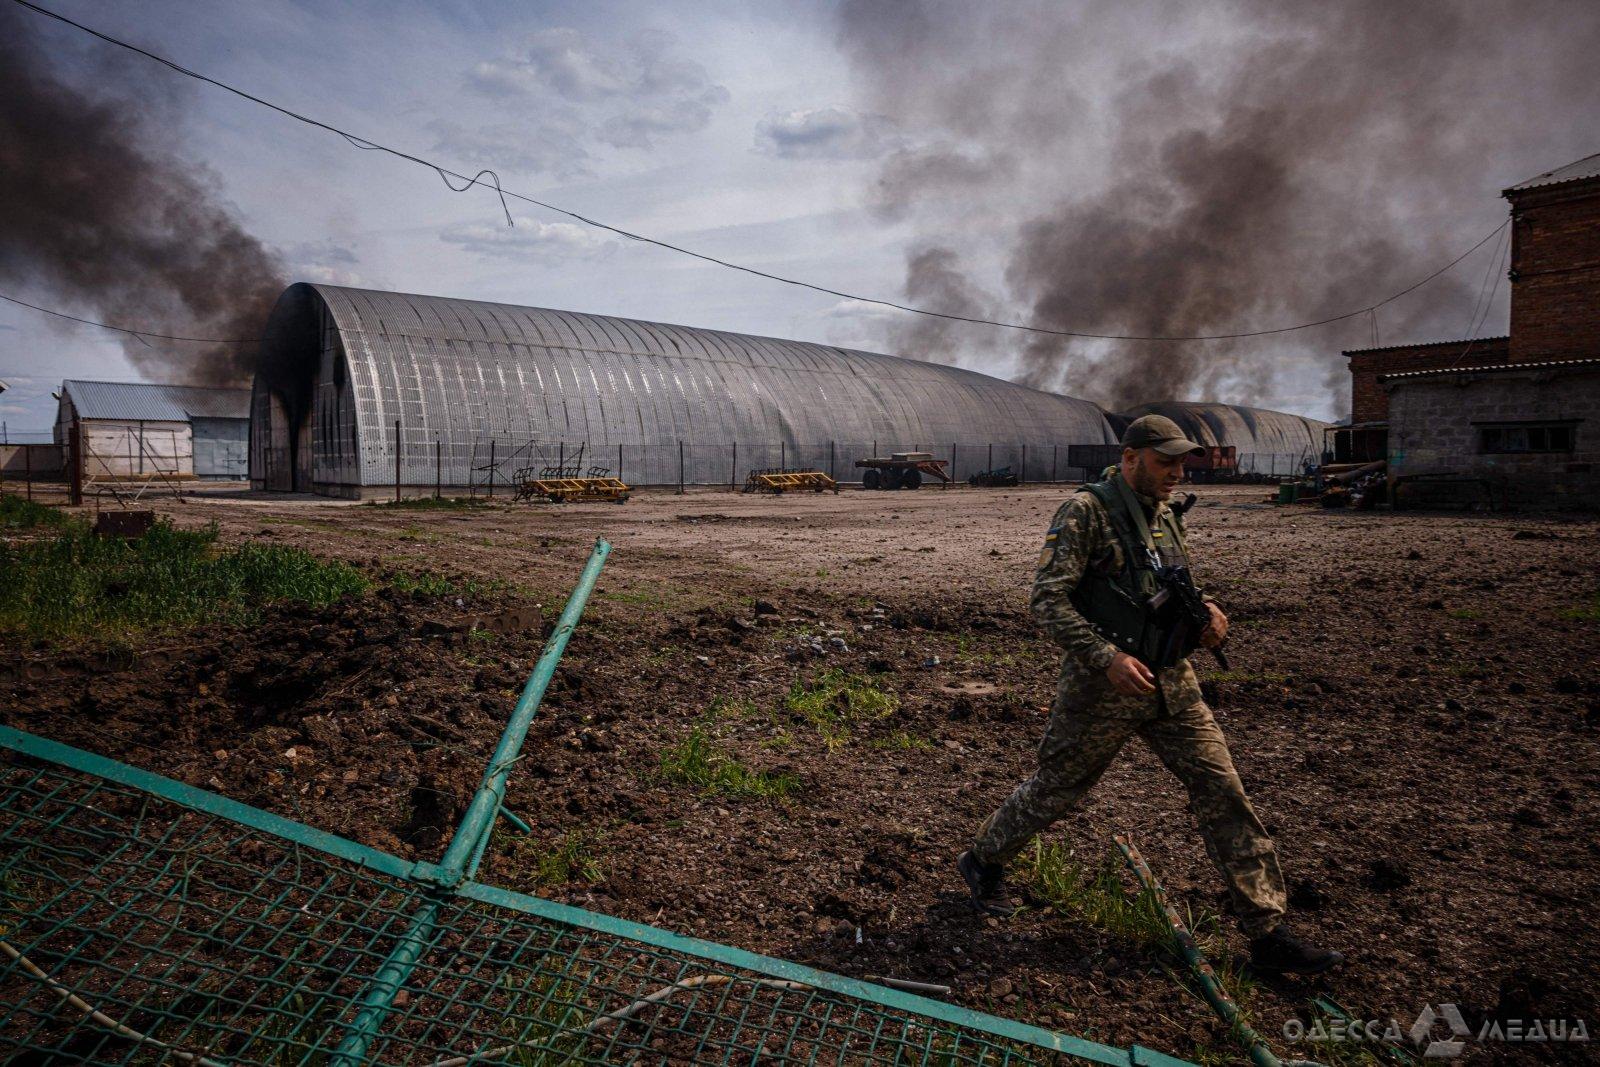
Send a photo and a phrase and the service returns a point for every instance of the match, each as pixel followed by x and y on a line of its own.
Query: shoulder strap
pixel 1127 520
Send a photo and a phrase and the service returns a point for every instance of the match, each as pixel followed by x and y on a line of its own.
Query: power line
pixel 446 174
pixel 140 334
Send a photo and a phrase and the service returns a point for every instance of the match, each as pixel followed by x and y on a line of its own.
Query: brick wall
pixel 1432 430
pixel 1369 402
pixel 1555 272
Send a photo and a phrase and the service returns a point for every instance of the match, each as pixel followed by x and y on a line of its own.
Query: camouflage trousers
pixel 1077 749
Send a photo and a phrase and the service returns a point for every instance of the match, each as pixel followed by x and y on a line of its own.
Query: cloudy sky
pixel 1079 166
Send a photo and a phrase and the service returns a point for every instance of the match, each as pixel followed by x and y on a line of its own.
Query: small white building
pixel 133 430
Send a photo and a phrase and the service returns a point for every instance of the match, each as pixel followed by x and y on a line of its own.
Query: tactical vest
pixel 1115 601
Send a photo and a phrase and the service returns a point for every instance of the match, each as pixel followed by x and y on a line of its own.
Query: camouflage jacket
pixel 1081 531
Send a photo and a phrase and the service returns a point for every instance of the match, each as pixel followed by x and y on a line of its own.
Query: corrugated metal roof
pixel 1474 342
pixel 1491 368
pixel 1250 430
pixel 154 402
pixel 1588 167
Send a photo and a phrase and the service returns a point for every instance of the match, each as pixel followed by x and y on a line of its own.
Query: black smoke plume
pixel 1159 168
pixel 99 208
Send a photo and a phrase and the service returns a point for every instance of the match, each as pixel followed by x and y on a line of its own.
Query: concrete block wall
pixel 1434 424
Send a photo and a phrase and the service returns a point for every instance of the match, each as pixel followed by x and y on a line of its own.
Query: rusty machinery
pixel 563 484
pixel 901 470
pixel 776 480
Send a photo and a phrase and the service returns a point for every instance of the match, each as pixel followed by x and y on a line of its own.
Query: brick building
pixel 1502 409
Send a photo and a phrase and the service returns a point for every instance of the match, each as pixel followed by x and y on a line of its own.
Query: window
pixel 1526 437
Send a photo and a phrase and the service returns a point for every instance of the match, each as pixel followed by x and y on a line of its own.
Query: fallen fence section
pixel 143 920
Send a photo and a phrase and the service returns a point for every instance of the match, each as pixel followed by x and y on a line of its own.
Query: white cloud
pixel 826 133
pixel 627 96
pixel 531 240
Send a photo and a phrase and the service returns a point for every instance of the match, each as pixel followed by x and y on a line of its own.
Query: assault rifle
pixel 1178 609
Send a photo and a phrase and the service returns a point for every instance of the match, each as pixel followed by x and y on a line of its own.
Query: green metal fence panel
pixel 146 921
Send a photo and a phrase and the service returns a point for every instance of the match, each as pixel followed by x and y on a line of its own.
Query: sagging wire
pixel 140 334
pixel 443 172
pixel 101 1017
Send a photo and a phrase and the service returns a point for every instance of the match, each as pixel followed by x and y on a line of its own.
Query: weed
pixel 572 857
pixel 1097 898
pixel 417 533
pixel 75 584
pixel 1584 614
pixel 1464 613
pixel 901 741
pixel 542 1016
pixel 19 513
pixel 700 761
pixel 836 702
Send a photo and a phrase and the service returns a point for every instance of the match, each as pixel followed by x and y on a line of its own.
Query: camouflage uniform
pixel 1090 722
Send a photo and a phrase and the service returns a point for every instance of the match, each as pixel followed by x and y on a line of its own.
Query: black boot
pixel 1282 952
pixel 987 884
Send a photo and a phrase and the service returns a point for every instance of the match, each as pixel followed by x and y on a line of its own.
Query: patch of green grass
pixel 1096 897
pixel 837 702
pixel 699 760
pixel 572 858
pixel 542 1017
pixel 20 513
pixel 428 503
pixel 1584 614
pixel 1464 613
pixel 417 533
pixel 901 741
pixel 77 585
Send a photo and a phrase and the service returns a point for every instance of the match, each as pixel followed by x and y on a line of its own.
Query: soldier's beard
pixel 1147 481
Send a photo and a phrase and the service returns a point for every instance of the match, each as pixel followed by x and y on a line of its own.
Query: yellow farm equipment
pixel 563 486
pixel 787 479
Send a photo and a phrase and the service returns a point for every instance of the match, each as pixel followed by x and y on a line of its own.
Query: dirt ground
pixel 1414 706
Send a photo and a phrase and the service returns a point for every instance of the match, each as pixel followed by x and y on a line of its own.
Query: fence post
pixel 1054 451
pixel 397 461
pixel 952 462
pixel 438 468
pixel 991 455
pixel 783 455
pixel 680 468
pixel 1022 475
pixel 27 468
pixel 733 470
pixel 619 462
pixel 831 473
pixel 75 457
pixel 491 468
pixel 561 458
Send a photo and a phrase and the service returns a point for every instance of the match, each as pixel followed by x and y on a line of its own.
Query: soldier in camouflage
pixel 1098 568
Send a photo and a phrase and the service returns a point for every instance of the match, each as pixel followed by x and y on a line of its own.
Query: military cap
pixel 1160 433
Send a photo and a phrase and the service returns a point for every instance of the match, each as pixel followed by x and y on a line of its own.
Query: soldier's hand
pixel 1130 677
pixel 1217 632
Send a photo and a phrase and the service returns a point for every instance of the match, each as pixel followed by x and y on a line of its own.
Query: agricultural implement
pixel 901 470
pixel 777 480
pixel 562 484
pixel 998 478
pixel 146 920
